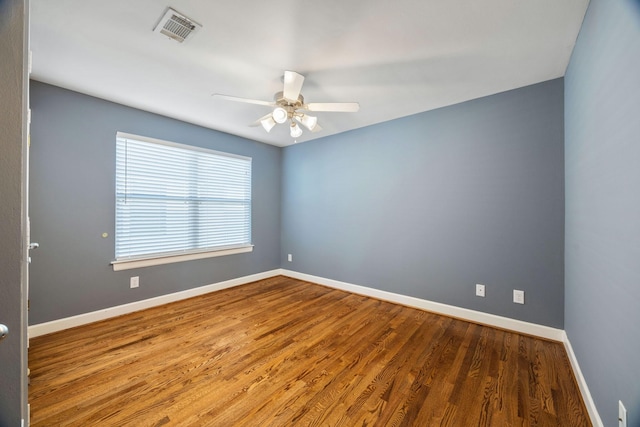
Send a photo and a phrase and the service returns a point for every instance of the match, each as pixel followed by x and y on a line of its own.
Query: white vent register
pixel 176 26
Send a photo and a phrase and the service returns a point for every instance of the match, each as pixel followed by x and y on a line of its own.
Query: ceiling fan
pixel 289 106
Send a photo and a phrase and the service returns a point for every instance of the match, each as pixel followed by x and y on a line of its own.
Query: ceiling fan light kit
pixel 288 103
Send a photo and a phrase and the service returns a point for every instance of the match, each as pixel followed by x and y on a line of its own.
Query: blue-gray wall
pixel 602 254
pixel 430 205
pixel 73 203
pixel 13 99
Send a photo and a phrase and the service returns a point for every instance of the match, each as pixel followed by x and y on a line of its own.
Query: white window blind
pixel 173 199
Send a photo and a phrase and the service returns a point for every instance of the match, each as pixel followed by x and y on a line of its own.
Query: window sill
pixel 127 264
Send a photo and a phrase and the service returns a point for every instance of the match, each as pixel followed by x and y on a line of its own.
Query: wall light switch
pixel 289 257
pixel 518 296
pixel 479 290
pixel 134 282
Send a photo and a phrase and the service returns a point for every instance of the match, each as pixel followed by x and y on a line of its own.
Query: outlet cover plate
pixel 479 290
pixel 134 282
pixel 518 296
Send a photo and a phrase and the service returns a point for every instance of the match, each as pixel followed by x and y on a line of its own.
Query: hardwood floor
pixel 282 352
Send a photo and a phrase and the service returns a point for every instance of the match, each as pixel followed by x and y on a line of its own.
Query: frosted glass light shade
pixel 280 115
pixel 295 130
pixel 268 123
pixel 309 122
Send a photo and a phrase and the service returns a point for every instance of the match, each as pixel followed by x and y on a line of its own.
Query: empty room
pixel 417 213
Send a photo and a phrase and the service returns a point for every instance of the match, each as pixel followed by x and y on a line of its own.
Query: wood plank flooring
pixel 282 352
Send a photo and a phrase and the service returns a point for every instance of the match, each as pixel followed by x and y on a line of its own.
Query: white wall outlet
pixel 289 257
pixel 479 290
pixel 518 296
pixel 622 415
pixel 134 282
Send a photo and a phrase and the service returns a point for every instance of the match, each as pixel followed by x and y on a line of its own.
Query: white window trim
pixel 128 264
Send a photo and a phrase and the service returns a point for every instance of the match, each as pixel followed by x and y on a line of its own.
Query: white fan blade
pixel 292 85
pixel 245 100
pixel 342 107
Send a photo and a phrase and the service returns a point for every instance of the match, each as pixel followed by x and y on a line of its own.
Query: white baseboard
pixel 582 384
pixel 94 316
pixel 436 307
pixel 448 310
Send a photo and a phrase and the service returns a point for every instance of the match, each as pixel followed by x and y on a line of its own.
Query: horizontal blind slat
pixel 174 199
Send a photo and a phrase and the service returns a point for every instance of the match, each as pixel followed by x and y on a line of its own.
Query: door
pixel 13 210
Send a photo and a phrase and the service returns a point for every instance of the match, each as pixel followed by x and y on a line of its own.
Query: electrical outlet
pixel 479 290
pixel 134 282
pixel 622 415
pixel 289 257
pixel 518 296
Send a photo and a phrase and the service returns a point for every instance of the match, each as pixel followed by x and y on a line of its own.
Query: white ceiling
pixel 395 58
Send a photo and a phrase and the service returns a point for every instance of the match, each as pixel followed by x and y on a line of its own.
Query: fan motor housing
pixel 283 102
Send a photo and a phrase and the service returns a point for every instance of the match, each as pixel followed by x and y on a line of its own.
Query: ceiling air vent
pixel 176 26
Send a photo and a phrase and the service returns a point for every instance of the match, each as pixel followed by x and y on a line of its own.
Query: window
pixel 176 202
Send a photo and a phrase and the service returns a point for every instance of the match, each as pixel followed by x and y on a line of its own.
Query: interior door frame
pixel 26 223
